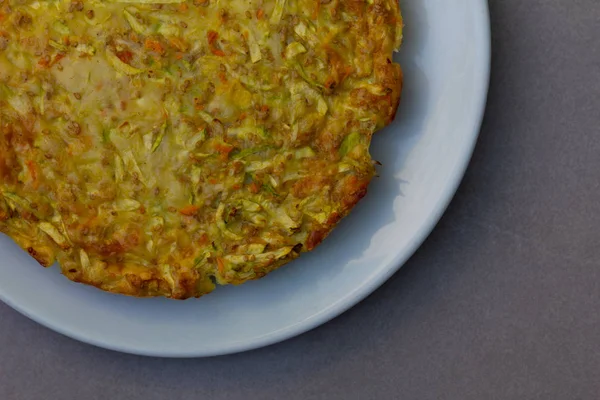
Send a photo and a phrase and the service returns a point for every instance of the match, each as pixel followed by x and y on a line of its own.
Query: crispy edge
pixel 140 281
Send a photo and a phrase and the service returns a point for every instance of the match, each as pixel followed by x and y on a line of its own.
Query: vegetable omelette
pixel 161 147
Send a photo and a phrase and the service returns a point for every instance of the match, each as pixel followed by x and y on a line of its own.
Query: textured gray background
pixel 501 302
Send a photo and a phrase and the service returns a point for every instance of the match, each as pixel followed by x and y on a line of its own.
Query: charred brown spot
pixel 9 164
pixel 315 238
pixel 334 218
pixel 310 185
pixel 76 6
pixel 3 43
pixel 73 128
pixel 110 248
pixel 22 19
pixel 298 248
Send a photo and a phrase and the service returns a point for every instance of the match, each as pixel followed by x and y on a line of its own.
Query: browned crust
pixel 140 281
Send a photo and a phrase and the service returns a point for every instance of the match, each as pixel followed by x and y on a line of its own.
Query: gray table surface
pixel 501 302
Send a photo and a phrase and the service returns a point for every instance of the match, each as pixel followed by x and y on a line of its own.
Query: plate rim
pixel 360 293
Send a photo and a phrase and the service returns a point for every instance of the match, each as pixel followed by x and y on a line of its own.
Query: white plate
pixel 446 59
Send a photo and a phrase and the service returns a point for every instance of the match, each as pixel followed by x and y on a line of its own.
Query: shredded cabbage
pixel 223 226
pixel 293 49
pixel 255 55
pixel 277 11
pixel 120 66
pixel 134 23
pixel 126 205
pixel 54 234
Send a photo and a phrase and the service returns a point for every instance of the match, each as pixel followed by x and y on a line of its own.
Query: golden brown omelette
pixel 155 148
